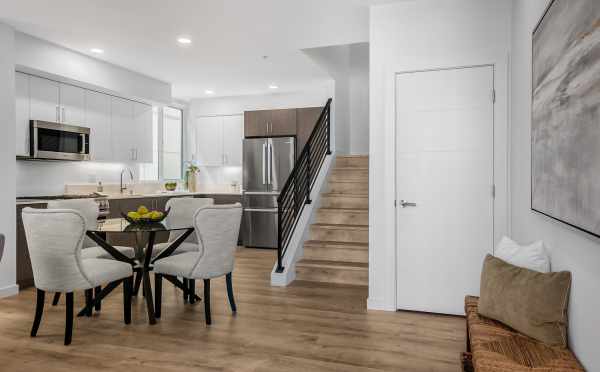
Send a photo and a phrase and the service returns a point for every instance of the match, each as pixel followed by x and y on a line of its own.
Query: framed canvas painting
pixel 565 125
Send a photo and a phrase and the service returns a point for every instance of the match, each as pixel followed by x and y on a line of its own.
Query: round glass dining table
pixel 144 258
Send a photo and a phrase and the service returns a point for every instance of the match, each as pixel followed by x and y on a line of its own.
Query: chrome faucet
pixel 123 188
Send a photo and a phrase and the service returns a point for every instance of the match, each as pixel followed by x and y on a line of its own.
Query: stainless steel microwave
pixel 58 141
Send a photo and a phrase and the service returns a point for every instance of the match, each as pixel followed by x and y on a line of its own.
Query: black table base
pixel 143 271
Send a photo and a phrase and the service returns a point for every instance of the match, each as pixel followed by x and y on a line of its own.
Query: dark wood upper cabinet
pixel 283 122
pixel 256 123
pixel 306 119
pixel 270 123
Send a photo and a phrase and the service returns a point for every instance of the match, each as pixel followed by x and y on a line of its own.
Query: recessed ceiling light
pixel 273 86
pixel 97 50
pixel 184 40
pixel 208 91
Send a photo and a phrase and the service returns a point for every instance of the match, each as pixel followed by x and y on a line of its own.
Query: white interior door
pixel 444 164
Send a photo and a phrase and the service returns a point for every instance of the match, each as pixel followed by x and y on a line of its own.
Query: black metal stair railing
pixel 295 194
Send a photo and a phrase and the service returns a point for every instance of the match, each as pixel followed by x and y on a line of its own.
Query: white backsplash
pixel 35 178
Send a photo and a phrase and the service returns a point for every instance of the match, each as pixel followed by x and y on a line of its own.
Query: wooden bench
pixel 494 347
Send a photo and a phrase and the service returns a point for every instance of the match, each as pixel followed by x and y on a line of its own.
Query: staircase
pixel 338 249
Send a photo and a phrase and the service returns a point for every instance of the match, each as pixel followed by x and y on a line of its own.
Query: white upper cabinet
pixel 72 105
pixel 209 141
pixel 44 99
pixel 233 136
pixel 218 140
pixel 123 130
pixel 97 118
pixel 144 148
pixel 22 113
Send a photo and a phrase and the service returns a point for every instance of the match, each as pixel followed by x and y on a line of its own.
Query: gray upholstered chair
pixel 89 210
pixel 217 228
pixel 182 213
pixel 54 239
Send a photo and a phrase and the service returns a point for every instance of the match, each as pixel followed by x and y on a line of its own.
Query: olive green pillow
pixel 528 301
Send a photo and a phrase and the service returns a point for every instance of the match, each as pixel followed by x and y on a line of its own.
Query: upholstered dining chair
pixel 54 239
pixel 89 210
pixel 217 228
pixel 182 212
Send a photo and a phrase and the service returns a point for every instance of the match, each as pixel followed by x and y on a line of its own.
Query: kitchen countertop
pixel 139 196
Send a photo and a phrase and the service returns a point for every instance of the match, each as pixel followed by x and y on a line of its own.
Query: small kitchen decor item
pixel 190 176
pixel 170 186
pixel 143 216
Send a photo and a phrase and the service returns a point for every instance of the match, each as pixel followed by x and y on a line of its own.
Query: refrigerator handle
pixel 270 163
pixel 264 150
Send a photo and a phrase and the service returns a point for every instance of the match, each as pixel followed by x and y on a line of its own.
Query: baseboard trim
pixel 11 290
pixel 378 304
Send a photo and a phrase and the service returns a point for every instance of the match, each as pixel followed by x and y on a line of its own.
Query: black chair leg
pixel 98 305
pixel 39 309
pixel 230 292
pixel 55 299
pixel 187 286
pixel 207 301
pixel 138 282
pixel 127 289
pixel 192 288
pixel 69 319
pixel 89 295
pixel 157 295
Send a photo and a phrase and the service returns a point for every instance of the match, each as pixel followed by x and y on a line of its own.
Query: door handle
pixel 405 204
pixel 82 144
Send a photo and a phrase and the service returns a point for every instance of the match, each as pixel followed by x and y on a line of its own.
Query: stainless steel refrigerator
pixel 267 165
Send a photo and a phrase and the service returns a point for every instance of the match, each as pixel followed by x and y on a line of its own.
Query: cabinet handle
pixel 64 116
pixel 57 114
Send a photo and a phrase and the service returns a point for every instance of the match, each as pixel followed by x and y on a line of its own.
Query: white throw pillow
pixel 532 257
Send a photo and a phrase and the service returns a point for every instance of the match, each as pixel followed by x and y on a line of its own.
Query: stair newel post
pixel 328 122
pixel 308 201
pixel 279 242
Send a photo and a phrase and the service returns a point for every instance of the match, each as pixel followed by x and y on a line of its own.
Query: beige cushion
pixel 100 271
pixel 99 252
pixel 530 302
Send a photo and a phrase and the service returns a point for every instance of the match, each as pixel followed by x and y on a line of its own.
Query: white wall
pixel 416 35
pixel 314 97
pixel 8 266
pixel 37 55
pixel 570 249
pixel 348 66
pixel 359 99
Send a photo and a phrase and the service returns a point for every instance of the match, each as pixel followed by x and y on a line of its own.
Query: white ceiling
pixel 229 37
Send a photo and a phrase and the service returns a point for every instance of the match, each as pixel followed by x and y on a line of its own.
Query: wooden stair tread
pixel 333 264
pixel 336 244
pixel 344 195
pixel 340 226
pixel 350 168
pixel 349 210
pixel 352 156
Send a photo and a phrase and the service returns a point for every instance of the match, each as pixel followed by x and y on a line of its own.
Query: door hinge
pixel 493 95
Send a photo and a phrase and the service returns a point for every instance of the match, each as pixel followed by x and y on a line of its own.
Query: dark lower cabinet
pixel 24 272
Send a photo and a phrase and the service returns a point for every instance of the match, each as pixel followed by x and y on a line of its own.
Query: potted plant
pixel 191 172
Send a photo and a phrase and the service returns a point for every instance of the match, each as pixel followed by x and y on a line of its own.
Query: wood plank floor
pixel 299 328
